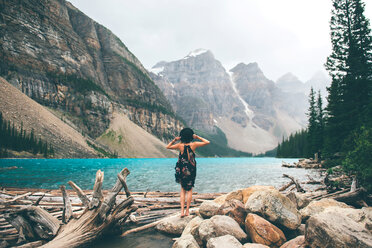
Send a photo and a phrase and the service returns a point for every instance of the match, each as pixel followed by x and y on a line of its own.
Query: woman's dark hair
pixel 186 135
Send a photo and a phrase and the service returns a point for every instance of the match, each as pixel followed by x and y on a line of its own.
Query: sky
pixel 281 36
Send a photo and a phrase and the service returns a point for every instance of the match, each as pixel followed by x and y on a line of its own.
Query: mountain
pixel 243 104
pixel 22 110
pixel 62 59
pixel 290 83
pixel 199 90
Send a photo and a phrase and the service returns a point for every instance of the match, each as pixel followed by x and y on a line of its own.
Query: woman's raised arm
pixel 171 144
pixel 203 142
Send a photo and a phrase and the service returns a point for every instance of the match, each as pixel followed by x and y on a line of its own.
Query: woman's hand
pixel 195 136
pixel 177 138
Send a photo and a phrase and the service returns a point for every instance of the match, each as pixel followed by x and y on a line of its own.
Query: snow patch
pixel 249 112
pixel 195 53
pixel 157 70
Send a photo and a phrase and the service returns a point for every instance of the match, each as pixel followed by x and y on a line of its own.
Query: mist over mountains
pixel 253 111
pixel 79 71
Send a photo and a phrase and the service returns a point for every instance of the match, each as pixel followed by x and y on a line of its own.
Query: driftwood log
pixel 295 181
pixel 100 215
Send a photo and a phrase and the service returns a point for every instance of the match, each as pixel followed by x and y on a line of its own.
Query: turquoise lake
pixel 213 174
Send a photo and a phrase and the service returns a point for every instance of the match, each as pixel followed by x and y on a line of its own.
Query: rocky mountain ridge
pixel 253 111
pixel 64 60
pixel 59 57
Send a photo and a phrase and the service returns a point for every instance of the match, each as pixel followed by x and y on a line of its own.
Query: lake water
pixel 213 174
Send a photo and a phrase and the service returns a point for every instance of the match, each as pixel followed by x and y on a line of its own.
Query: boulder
pixel 220 225
pixel 298 242
pixel 186 241
pixel 237 195
pixel 192 228
pixel 299 199
pixel 208 208
pixel 315 207
pixel 247 192
pixel 173 224
pixel 339 227
pixel 234 209
pixel 263 232
pixel 224 242
pixel 275 207
pixel 255 245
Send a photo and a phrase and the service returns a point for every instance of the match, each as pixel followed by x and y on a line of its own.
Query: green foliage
pixel 295 146
pixel 218 146
pixel 359 160
pixel 102 151
pixel 350 66
pixel 19 140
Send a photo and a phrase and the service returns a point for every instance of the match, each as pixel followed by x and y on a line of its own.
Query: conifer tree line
pixel 343 131
pixel 20 140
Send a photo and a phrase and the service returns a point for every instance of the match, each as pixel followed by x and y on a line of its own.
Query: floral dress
pixel 186 168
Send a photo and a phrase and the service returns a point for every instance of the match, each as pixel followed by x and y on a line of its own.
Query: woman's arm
pixel 171 144
pixel 203 142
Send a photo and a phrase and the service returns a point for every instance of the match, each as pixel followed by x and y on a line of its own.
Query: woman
pixel 186 165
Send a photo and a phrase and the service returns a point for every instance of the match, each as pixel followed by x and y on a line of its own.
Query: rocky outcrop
pixel 247 192
pixel 193 228
pixel 61 58
pixel 174 224
pixel 299 199
pixel 316 207
pixel 186 241
pixel 263 232
pixel 275 207
pixel 339 228
pixel 223 242
pixel 208 209
pixel 233 195
pixel 298 242
pixel 234 209
pixel 220 225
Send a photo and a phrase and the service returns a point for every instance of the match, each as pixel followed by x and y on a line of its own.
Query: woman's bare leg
pixel 188 201
pixel 182 200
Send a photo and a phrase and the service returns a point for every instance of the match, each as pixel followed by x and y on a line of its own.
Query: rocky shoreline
pixel 261 216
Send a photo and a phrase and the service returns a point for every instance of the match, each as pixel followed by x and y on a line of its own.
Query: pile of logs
pixel 70 218
pixel 348 194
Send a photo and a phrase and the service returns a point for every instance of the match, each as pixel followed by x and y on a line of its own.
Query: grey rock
pixel 220 225
pixel 208 208
pixel 173 224
pixel 339 227
pixel 224 242
pixel 275 207
pixel 186 241
pixel 315 207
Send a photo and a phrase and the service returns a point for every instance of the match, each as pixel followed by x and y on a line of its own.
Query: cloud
pixel 282 36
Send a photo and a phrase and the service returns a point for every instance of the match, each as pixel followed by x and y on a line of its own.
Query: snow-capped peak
pixel 195 53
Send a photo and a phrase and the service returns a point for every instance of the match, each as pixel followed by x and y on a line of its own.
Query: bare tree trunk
pixel 98 218
pixel 100 214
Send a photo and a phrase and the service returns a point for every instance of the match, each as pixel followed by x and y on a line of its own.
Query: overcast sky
pixel 280 35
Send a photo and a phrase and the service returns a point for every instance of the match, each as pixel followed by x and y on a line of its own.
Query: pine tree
pixel 320 122
pixel 312 124
pixel 350 68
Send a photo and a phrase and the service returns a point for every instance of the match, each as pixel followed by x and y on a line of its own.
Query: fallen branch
pixel 295 181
